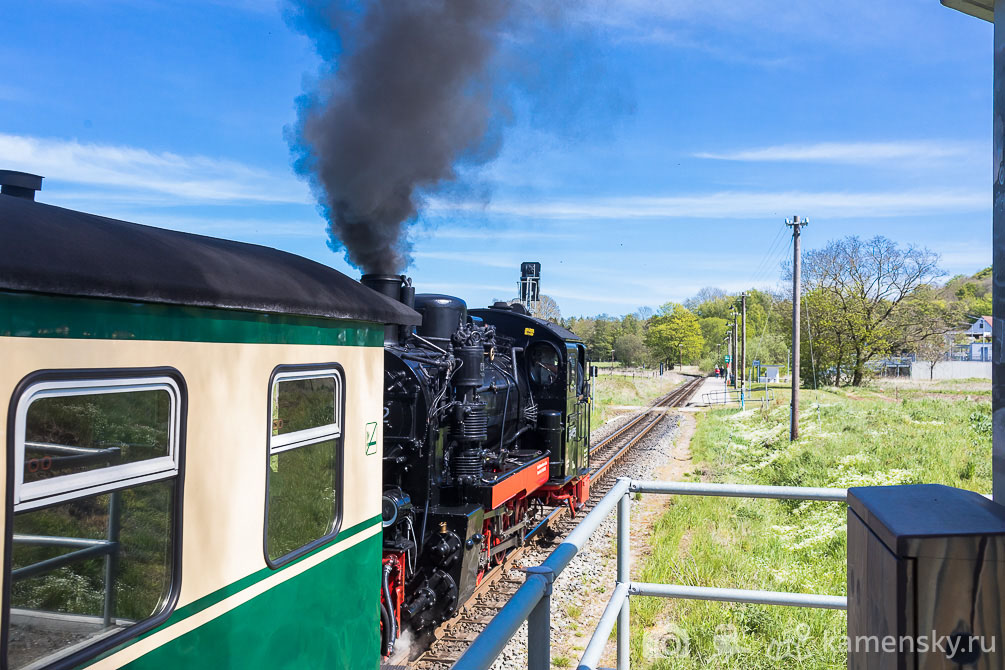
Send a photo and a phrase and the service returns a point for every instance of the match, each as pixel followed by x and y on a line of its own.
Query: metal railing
pixel 532 601
pixel 735 395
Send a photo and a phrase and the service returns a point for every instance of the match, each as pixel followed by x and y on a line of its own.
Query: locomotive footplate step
pixel 520 479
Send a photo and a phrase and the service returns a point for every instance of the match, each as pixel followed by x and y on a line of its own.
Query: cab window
pixel 544 363
pixel 94 537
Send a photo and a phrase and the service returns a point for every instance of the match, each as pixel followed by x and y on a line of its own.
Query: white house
pixel 980 329
pixel 979 347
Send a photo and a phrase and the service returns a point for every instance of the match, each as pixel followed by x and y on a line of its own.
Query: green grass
pixel 790 545
pixel 613 390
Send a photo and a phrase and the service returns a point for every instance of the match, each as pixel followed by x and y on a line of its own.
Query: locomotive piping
pixel 424 340
pixel 386 618
pixel 387 596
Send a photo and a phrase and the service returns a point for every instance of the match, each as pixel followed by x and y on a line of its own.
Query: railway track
pixel 452 637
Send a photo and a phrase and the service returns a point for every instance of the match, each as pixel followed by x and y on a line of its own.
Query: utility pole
pixel 796 224
pixel 743 345
pixel 734 361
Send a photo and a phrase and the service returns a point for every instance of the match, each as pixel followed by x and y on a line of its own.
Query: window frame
pixel 73 378
pixel 62 488
pixel 278 444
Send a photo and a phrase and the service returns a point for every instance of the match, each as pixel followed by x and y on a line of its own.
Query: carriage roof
pixel 57 251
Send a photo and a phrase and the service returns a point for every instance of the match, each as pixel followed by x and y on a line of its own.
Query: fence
pixel 728 396
pixel 532 601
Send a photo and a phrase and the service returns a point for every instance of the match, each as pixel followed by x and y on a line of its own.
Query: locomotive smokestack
pixel 19 184
pixel 406 98
pixel 395 287
pixel 389 285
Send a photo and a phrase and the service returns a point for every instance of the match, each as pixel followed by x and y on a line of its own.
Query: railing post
pixel 624 563
pixel 539 623
pixel 112 557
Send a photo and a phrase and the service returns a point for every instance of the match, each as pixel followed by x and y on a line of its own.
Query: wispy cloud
pixel 739 205
pixel 485 259
pixel 143 176
pixel 502 292
pixel 964 256
pixel 850 152
pixel 849 23
pixel 521 234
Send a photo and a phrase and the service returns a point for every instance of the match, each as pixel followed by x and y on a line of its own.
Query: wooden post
pixel 796 224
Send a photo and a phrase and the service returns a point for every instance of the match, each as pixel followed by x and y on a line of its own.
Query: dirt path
pixel 646 512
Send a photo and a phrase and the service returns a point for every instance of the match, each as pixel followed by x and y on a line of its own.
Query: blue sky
pixel 708 124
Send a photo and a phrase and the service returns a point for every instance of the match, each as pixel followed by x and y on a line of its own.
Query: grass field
pixel 856 437
pixel 611 391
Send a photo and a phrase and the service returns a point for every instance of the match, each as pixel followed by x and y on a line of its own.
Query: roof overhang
pixel 982 9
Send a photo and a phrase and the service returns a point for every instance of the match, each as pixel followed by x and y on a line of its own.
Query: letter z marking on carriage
pixel 371 438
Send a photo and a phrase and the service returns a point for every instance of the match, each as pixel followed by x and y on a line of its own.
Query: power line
pixel 773 262
pixel 766 261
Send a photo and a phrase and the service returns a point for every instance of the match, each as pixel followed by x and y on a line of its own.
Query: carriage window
pixel 304 496
pixel 96 472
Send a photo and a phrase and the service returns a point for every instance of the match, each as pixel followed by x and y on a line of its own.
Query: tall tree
pixel 630 348
pixel 674 334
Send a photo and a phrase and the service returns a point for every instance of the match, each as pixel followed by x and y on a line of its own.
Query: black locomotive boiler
pixel 486 419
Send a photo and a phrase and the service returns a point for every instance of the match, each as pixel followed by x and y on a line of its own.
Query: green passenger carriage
pixel 193 438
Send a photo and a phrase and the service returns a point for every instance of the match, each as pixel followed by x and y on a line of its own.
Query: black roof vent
pixel 19 184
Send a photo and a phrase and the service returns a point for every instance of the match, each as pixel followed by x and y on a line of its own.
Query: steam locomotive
pixel 486 419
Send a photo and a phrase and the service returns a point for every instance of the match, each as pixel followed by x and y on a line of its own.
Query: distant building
pixel 977 344
pixel 969 355
pixel 769 373
pixel 980 329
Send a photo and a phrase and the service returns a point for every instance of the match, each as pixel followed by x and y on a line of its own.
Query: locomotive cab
pixel 555 364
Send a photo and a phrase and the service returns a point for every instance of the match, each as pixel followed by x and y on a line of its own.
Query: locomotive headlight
pixel 392 504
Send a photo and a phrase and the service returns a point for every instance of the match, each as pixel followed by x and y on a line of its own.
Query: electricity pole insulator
pixel 796 225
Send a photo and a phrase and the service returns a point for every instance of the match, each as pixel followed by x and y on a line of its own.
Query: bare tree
pixel 706 294
pixel 873 290
pixel 644 313
pixel 931 351
pixel 548 310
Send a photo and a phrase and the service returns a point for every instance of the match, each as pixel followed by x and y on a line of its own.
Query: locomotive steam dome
pixel 442 315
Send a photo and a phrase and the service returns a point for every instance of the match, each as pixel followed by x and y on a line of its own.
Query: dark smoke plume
pixel 406 98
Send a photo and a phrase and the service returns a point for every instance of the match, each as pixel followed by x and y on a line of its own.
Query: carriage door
pixel 576 408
